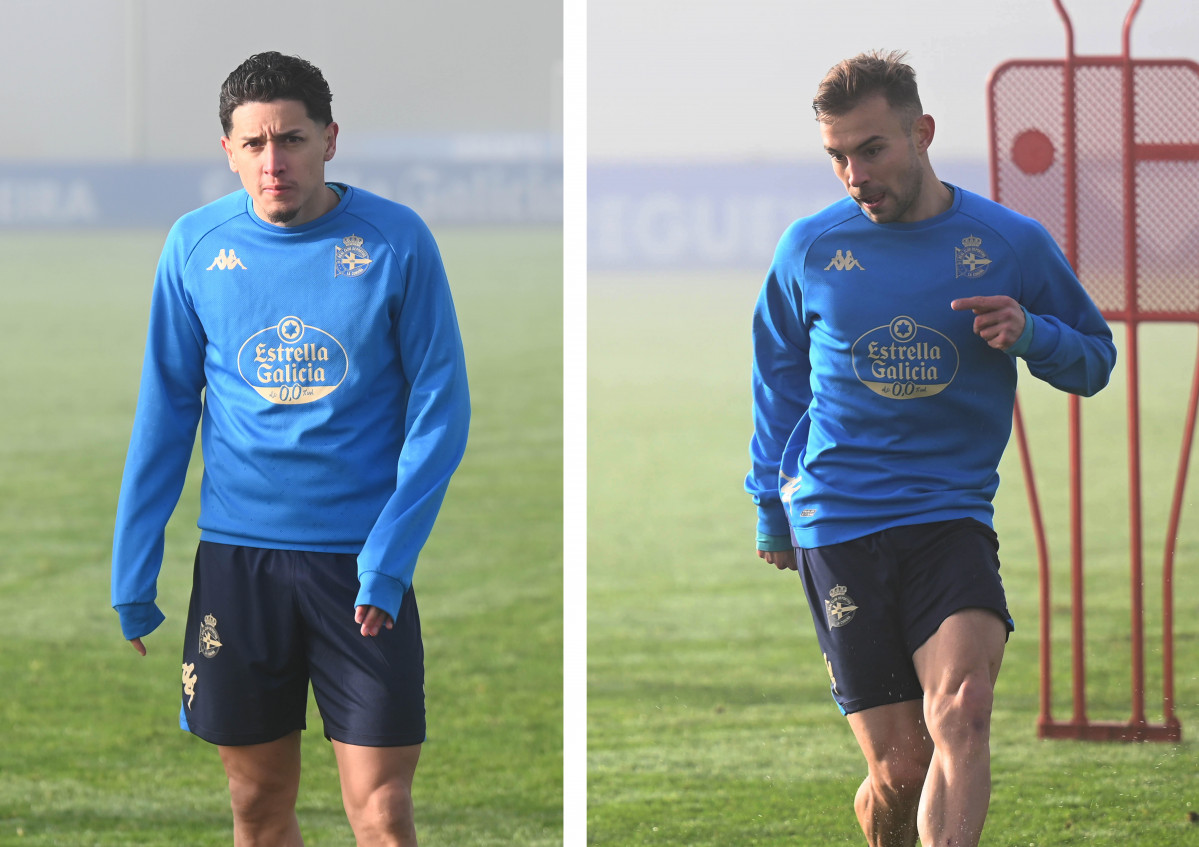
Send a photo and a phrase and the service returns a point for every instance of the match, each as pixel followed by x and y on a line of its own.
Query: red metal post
pixel 1132 323
pixel 1070 164
pixel 1139 81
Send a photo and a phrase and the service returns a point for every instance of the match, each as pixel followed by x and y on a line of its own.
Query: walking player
pixel 308 328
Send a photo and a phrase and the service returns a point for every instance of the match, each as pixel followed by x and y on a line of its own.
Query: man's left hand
pixel 998 320
pixel 372 619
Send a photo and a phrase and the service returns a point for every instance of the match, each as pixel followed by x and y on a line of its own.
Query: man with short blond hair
pixel 883 390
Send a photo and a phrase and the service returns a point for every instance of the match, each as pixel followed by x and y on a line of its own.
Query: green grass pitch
pixel 90 752
pixel 709 717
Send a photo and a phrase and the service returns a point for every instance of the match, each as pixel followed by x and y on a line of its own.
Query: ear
pixel 923 130
pixel 330 140
pixel 228 147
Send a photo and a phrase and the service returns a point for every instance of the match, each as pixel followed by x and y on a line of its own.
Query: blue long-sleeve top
pixel 875 404
pixel 324 365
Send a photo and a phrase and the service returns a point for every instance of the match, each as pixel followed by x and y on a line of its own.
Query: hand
pixel 138 646
pixel 784 560
pixel 999 320
pixel 372 619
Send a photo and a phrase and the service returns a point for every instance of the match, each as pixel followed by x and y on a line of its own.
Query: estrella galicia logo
pixel 292 362
pixel 904 360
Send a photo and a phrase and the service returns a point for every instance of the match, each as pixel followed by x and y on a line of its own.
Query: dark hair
pixel 851 81
pixel 266 77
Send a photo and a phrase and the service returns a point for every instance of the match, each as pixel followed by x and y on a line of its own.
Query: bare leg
pixel 376 789
pixel 264 780
pixel 897 750
pixel 958 667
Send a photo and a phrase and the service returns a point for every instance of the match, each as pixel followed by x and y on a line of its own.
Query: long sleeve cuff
pixel 1024 342
pixel 139 619
pixel 773 519
pixel 382 592
pixel 774 543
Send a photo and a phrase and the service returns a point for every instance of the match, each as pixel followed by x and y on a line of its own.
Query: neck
pixel 935 198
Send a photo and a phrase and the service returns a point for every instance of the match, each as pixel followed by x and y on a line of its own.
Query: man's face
pixel 879 162
pixel 280 153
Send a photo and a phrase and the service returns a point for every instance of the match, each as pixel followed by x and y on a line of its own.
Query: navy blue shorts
pixel 875 600
pixel 263 623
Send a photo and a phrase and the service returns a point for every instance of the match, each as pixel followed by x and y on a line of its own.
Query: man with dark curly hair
pixel 308 328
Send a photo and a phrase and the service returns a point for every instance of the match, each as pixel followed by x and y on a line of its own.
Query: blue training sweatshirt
pixel 325 364
pixel 875 404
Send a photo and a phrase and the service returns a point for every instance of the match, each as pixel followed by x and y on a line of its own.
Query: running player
pixel 308 328
pixel 885 343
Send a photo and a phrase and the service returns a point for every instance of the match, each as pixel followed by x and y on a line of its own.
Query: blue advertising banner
pixel 45 195
pixel 690 217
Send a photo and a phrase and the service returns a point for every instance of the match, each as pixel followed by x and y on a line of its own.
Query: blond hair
pixel 866 75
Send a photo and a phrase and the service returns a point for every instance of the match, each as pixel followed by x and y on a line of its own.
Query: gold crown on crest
pixel 972 241
pixel 838 591
pixel 356 241
pixel 210 620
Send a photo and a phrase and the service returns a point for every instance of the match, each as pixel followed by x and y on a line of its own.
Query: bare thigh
pixel 365 771
pixel 893 739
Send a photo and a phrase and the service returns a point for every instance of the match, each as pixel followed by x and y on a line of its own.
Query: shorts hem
pixel 1004 616
pixel 861 705
pixel 240 739
pixel 357 739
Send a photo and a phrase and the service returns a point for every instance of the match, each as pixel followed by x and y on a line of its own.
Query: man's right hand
pixel 784 560
pixel 138 646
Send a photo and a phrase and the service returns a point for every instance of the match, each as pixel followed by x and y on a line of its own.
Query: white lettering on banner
pixel 468 193
pixel 666 228
pixel 48 200
pixel 660 219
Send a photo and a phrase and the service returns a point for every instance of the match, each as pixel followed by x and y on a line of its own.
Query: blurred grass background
pixel 709 719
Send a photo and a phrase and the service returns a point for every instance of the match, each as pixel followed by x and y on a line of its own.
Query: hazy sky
pixel 109 79
pixel 717 79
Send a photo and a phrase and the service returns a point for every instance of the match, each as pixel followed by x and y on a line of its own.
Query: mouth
pixel 871 202
pixel 275 190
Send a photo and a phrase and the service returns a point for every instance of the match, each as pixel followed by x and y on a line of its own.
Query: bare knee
pixel 253 798
pixel 961 715
pixel 264 780
pixel 897 780
pixel 383 814
pixel 261 802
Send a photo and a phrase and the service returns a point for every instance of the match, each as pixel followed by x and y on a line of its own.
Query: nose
pixel 272 158
pixel 855 173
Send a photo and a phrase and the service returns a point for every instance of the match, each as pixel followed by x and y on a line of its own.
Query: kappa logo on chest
pixel 844 261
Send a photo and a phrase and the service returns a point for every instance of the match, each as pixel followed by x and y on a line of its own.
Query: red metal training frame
pixel 1144 178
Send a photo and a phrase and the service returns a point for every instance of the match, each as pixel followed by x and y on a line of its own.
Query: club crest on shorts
pixel 350 260
pixel 210 639
pixel 840 607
